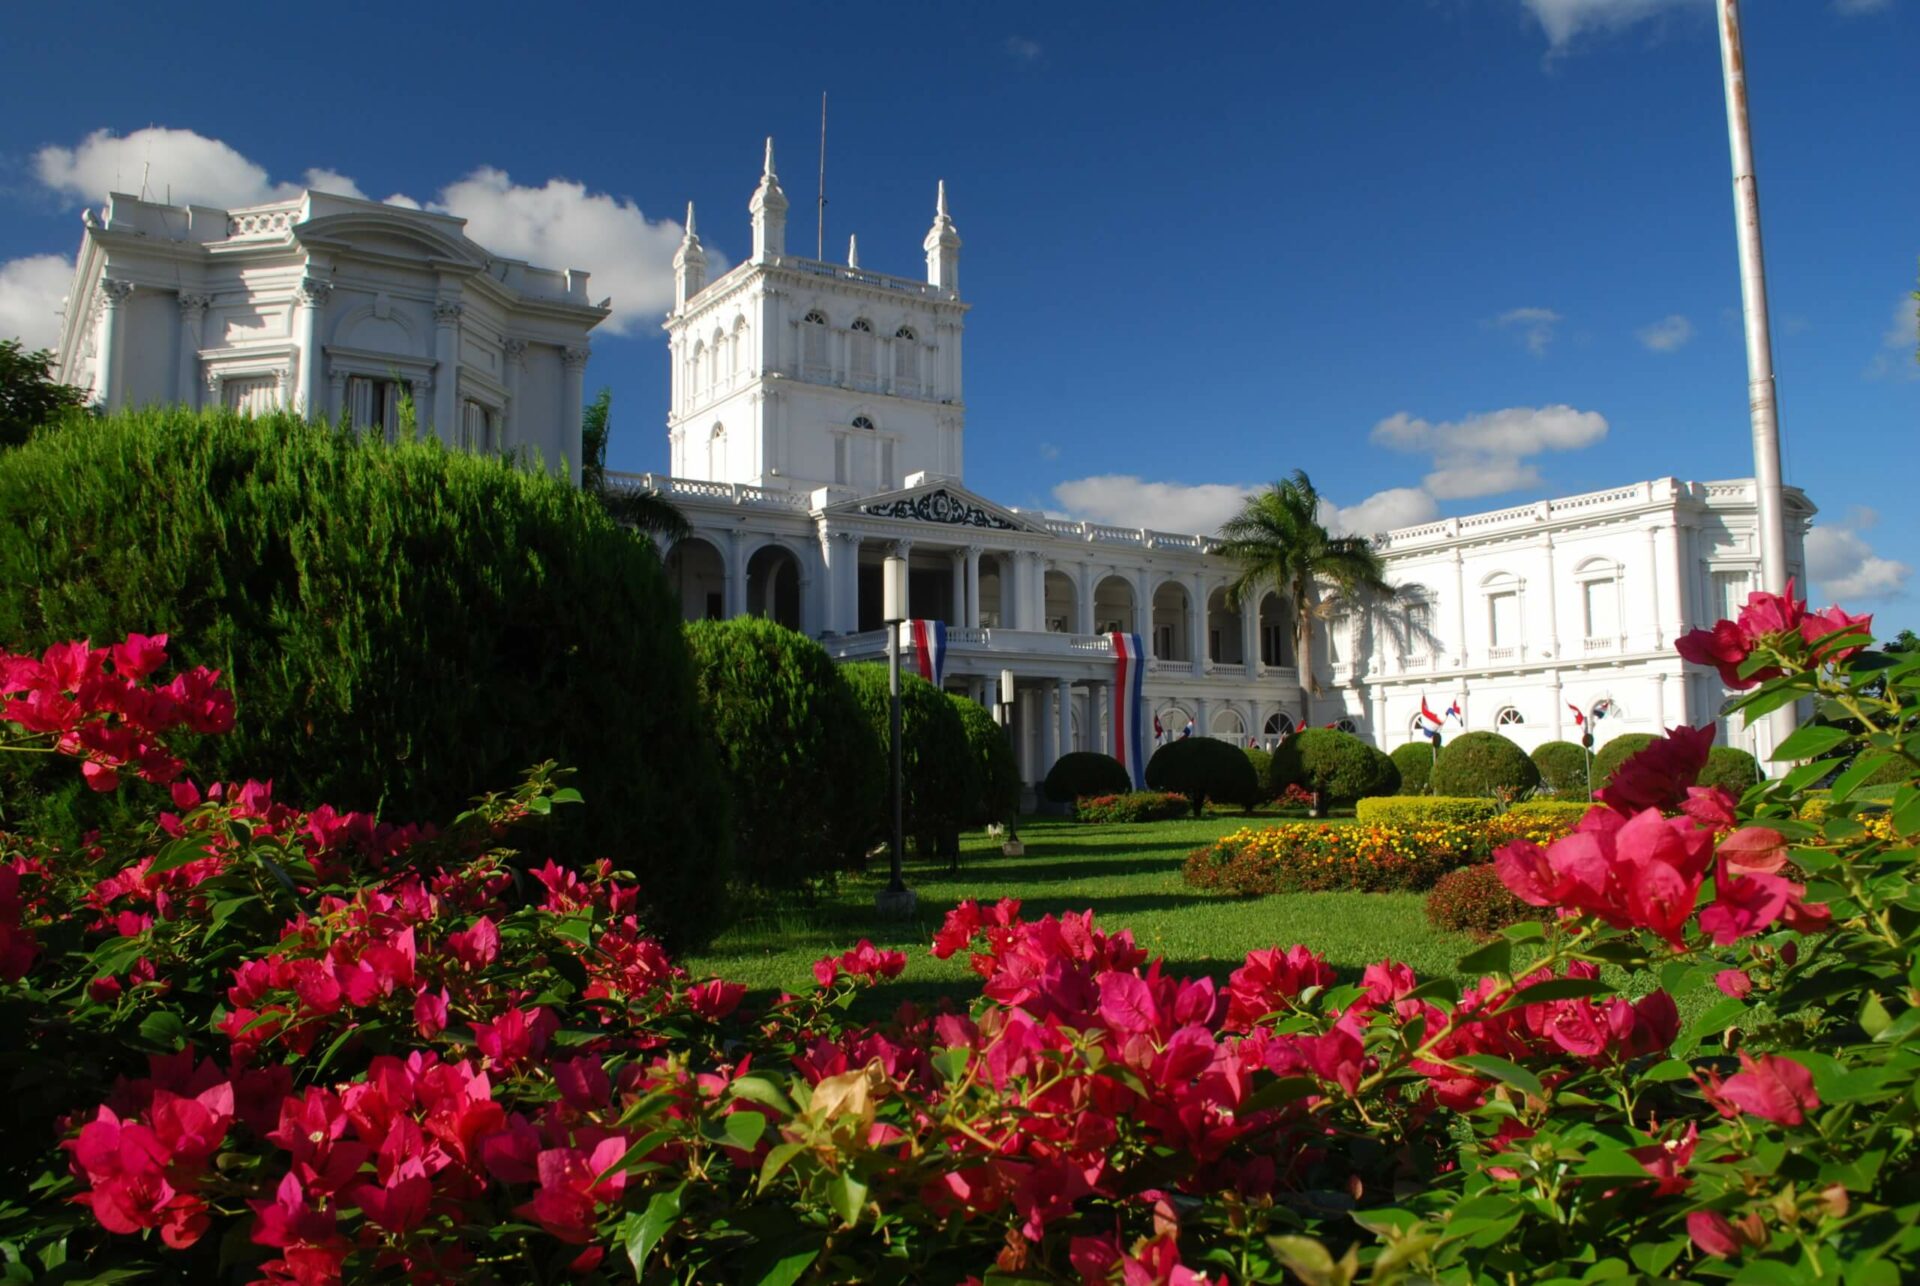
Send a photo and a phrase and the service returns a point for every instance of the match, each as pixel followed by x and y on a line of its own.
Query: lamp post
pixel 1011 845
pixel 896 899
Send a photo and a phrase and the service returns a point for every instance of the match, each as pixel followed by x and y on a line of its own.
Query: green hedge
pixel 997 774
pixel 1131 807
pixel 1483 763
pixel 1202 769
pixel 1337 766
pixel 937 766
pixel 1415 762
pixel 1085 772
pixel 1413 810
pixel 1616 752
pixel 1563 767
pixel 806 771
pixel 1730 767
pixel 1574 808
pixel 403 627
pixel 1262 762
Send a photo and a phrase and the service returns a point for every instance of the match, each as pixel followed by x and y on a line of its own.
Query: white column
pixel 1553 601
pixel 1201 717
pixel 828 616
pixel 1197 620
pixel 572 407
pixel 736 599
pixel 1026 705
pixel 186 377
pixel 313 295
pixel 1459 610
pixel 957 616
pixel 514 351
pixel 446 357
pixel 972 619
pixel 1143 608
pixel 1656 619
pixel 1100 709
pixel 1037 586
pixel 1064 694
pixel 1083 601
pixel 1682 610
pixel 113 293
pixel 1049 734
pixel 1250 644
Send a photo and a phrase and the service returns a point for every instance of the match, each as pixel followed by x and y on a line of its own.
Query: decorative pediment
pixel 941 505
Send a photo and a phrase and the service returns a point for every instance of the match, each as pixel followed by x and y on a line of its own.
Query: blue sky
pixel 1446 255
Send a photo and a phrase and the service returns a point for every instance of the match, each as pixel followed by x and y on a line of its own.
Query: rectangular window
pixel 1273 645
pixel 1163 641
pixel 887 482
pixel 1419 628
pixel 1213 646
pixel 1337 640
pixel 840 460
pixel 1599 604
pixel 1503 620
pixel 1729 594
pixel 374 404
pixel 476 427
pixel 251 396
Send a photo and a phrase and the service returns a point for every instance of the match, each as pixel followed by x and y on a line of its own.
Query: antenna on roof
pixel 820 220
pixel 144 167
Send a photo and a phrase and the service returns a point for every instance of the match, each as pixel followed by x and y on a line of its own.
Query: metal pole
pixel 1762 407
pixel 897 884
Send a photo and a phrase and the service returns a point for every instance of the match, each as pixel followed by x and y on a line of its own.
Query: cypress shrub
pixel 1337 766
pixel 1483 763
pixel 1563 767
pixel 1415 762
pixel 1616 752
pixel 1201 769
pixel 1730 767
pixel 1085 772
pixel 806 771
pixel 998 798
pixel 1262 762
pixel 936 768
pixel 1401 810
pixel 403 627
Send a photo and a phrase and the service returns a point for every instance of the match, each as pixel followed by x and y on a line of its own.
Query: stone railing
pixel 732 493
pixel 1139 537
pixel 861 277
pixel 261 223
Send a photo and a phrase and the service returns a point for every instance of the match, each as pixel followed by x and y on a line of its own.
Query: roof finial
pixel 767 169
pixel 691 234
pixel 853 251
pixel 940 202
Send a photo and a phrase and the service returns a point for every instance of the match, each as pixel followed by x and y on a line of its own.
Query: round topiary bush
pixel 1201 769
pixel 1563 767
pixel 1085 772
pixel 1474 900
pixel 1616 752
pixel 1337 766
pixel 403 627
pixel 998 797
pixel 1483 763
pixel 1262 762
pixel 805 769
pixel 1731 768
pixel 1415 762
pixel 937 765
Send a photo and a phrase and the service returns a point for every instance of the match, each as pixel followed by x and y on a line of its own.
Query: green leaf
pixel 1655 1257
pixel 648 1142
pixel 1864 766
pixel 1556 989
pixel 1808 742
pixel 758 1089
pixel 777 1158
pixel 847 1195
pixel 790 1269
pixel 743 1129
pixel 1503 1071
pixel 1275 1093
pixel 642 1232
pixel 163 1027
pixel 565 795
pixel 1717 1018
pixel 1495 957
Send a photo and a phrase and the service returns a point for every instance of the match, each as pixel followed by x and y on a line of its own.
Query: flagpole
pixel 1763 409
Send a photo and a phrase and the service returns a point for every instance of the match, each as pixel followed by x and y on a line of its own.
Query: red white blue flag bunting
pixel 929 642
pixel 1129 669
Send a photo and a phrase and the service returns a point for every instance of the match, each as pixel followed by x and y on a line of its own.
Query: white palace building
pixel 817 425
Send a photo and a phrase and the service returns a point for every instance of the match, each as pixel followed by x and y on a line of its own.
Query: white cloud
pixel 31 291
pixel 1048 451
pixel 1486 454
pixel 1861 6
pixel 1563 20
pixel 1535 326
pixel 1024 50
pixel 1843 568
pixel 557 225
pixel 1667 334
pixel 1123 500
pixel 1899 355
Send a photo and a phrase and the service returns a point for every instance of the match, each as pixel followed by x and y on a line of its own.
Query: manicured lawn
pixel 1129 875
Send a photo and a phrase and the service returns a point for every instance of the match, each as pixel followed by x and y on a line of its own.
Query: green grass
pixel 1128 874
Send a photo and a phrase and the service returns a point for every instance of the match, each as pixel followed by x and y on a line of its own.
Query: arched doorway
pixel 1113 611
pixel 1276 631
pixel 1172 612
pixel 773 585
pixel 996 584
pixel 1229 726
pixel 698 575
pixel 1223 631
pixel 1063 603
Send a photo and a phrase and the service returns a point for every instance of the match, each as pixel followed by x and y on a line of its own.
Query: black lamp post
pixel 896 899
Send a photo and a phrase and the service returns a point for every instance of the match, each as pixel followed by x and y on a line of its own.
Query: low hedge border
pixel 1413 810
pixel 1133 806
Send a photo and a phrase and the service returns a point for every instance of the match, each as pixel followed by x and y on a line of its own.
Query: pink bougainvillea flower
pixel 715 998
pixel 1725 647
pixel 140 655
pixel 1833 621
pixel 568 1197
pixel 1754 850
pixel 1713 1234
pixel 311 1247
pixel 1668 1160
pixel 477 946
pixel 1746 905
pixel 1659 775
pixel 1773 1088
pixel 825 970
pixel 1734 982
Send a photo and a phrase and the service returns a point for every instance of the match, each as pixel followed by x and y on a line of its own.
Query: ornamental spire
pixel 942 245
pixel 853 251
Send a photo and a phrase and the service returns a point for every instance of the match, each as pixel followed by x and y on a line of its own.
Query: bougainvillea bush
pixel 253 1043
pixel 1132 806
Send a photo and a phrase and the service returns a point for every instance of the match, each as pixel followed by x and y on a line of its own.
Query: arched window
pixel 860 358
pixel 813 342
pixel 1347 725
pixel 736 353
pixel 1604 708
pixel 862 422
pixel 1279 724
pixel 1508 718
pixel 1417 725
pixel 717 356
pixel 717 453
pixel 906 356
pixel 697 367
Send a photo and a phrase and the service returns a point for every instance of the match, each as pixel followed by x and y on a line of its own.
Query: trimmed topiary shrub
pixel 1573 809
pixel 1262 762
pixel 1337 766
pixel 998 797
pixel 1132 806
pixel 807 773
pixel 1085 772
pixel 1202 769
pixel 1730 768
pixel 1483 763
pixel 937 765
pixel 1473 900
pixel 403 627
pixel 1563 767
pixel 1415 762
pixel 1403 810
pixel 1616 752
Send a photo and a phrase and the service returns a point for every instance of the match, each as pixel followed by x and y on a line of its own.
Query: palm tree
pixel 1278 540
pixel 642 510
